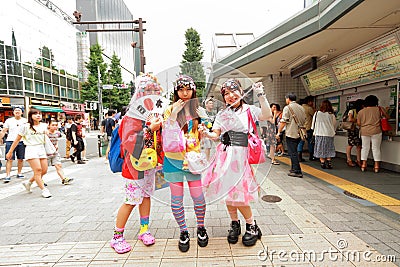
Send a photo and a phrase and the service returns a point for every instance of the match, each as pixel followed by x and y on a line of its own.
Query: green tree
pixel 96 63
pixel 191 62
pixel 116 98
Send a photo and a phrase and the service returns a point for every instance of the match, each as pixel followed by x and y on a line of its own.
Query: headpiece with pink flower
pixel 184 81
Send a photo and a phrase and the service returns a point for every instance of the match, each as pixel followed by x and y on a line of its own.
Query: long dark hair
pixel 193 105
pixel 31 112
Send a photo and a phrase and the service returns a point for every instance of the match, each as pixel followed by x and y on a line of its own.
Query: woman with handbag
pixel 230 176
pixel 324 125
pixel 353 134
pixel 183 114
pixel 368 120
pixel 33 134
pixel 138 135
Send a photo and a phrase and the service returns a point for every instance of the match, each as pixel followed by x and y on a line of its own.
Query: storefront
pixel 370 69
pixel 73 109
pixel 50 108
pixel 7 104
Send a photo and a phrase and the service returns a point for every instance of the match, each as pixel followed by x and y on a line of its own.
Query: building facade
pixel 38 57
pixel 112 42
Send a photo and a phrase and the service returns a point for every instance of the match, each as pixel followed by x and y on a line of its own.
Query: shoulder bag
pixel 256 146
pixel 385 126
pixel 300 128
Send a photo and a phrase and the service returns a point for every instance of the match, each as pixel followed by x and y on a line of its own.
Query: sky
pixel 167 21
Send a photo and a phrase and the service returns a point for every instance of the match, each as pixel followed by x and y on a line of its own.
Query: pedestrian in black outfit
pixel 77 140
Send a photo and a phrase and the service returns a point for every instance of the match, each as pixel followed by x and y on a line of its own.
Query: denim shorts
pixel 19 150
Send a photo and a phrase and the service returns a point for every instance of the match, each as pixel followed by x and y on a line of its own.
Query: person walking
pixel 55 159
pixel 68 136
pixel 268 134
pixel 277 113
pixel 184 113
pixel 77 141
pixel 33 134
pixel 12 126
pixel 309 110
pixel 353 135
pixel 231 171
pixel 370 130
pixel 291 110
pixel 139 185
pixel 324 125
pixel 207 143
pixel 109 126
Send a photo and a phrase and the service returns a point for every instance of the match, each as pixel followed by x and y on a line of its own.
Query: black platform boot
pixel 234 232
pixel 253 233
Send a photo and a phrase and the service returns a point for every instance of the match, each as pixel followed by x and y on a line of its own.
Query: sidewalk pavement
pixel 313 225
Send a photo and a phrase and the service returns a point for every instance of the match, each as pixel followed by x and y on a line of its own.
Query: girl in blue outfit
pixel 183 112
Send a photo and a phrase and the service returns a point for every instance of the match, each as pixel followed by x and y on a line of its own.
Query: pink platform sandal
pixel 120 245
pixel 147 238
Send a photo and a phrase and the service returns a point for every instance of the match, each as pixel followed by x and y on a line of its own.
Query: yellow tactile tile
pixel 356 189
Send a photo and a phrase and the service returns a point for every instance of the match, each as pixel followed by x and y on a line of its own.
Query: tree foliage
pixel 191 62
pixel 116 98
pixel 90 90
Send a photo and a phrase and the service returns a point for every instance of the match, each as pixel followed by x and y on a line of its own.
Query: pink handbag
pixel 256 146
pixel 173 139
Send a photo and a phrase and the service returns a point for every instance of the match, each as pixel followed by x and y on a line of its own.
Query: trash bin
pixel 102 143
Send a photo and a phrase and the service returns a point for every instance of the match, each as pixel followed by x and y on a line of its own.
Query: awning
pixel 72 112
pixel 48 109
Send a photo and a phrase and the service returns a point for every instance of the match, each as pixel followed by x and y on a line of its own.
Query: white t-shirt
pixel 32 138
pixel 13 125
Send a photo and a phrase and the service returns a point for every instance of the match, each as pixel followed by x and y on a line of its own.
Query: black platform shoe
pixel 253 233
pixel 234 232
pixel 202 236
pixel 184 241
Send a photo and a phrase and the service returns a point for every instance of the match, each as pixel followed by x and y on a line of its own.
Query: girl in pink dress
pixel 230 176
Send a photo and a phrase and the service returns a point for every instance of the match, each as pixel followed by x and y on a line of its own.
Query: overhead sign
pixel 320 81
pixel 377 61
pixel 108 86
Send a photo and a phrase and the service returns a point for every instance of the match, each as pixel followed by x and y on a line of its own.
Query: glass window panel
pixel 69 83
pixel 3 82
pixel 56 79
pixel 4 92
pixel 48 89
pixel 56 90
pixel 29 94
pixel 63 81
pixel 27 71
pixel 38 74
pixel 2 51
pixel 14 82
pixel 70 93
pixel 39 87
pixel 2 67
pixel 9 52
pixel 47 76
pixel 77 96
pixel 28 85
pixel 63 92
pixel 15 92
pixel 76 85
pixel 13 68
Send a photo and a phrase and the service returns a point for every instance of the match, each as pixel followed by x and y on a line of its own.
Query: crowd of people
pixel 223 137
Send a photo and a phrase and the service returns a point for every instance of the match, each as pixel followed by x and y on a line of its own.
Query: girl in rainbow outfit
pixel 184 113
pixel 138 132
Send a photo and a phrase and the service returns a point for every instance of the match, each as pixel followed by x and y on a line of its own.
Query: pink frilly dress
pixel 230 176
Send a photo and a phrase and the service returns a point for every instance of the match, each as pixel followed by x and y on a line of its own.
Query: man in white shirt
pixel 12 126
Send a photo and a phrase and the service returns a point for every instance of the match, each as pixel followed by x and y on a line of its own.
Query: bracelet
pixel 260 94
